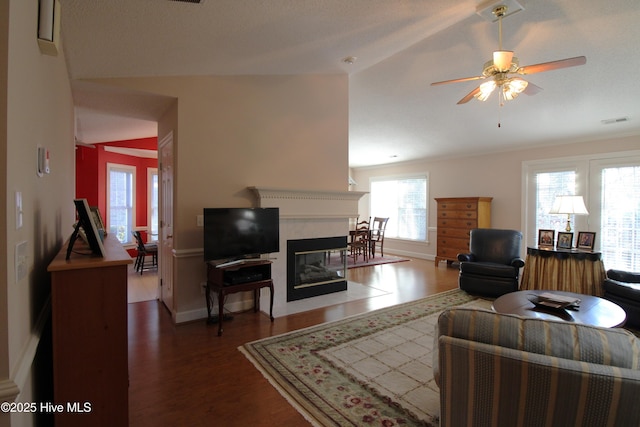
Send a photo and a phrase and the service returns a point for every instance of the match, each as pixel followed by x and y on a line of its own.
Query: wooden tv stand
pixel 243 276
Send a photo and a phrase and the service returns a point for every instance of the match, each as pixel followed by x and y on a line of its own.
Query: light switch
pixel 18 210
pixel 21 261
pixel 200 221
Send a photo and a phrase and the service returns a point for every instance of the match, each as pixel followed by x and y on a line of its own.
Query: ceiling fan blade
pixel 464 79
pixel 532 89
pixel 469 96
pixel 553 65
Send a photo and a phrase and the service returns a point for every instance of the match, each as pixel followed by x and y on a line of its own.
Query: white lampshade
pixel 502 59
pixel 569 205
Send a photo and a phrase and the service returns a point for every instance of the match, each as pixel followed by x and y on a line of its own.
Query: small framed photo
pixel 546 237
pixel 565 240
pixel 586 240
pixel 97 218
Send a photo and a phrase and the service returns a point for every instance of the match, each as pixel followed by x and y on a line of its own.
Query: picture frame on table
pixel 87 224
pixel 546 238
pixel 565 240
pixel 586 240
pixel 97 218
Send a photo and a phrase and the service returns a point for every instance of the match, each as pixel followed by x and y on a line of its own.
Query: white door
pixel 166 221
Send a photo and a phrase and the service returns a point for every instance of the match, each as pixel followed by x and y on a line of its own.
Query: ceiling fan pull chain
pixel 500 104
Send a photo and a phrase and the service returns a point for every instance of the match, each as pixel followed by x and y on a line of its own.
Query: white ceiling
pixel 401 47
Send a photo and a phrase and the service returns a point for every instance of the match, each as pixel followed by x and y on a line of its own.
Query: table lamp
pixel 570 205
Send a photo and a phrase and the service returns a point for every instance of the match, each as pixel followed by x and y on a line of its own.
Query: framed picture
pixel 88 225
pixel 97 218
pixel 546 237
pixel 586 240
pixel 565 240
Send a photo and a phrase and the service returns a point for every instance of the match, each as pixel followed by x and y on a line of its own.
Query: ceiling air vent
pixel 614 121
pixel 188 1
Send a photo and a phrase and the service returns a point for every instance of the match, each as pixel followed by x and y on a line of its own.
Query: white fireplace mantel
pixel 304 214
pixel 309 203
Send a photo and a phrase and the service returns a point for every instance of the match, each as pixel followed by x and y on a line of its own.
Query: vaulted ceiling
pixel 400 47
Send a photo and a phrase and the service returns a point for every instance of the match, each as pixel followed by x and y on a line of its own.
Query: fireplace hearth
pixel 316 267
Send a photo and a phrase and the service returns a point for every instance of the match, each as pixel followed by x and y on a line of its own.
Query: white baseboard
pixel 411 254
pixel 21 372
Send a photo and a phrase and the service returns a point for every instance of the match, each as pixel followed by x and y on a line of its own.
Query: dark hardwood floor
pixel 187 375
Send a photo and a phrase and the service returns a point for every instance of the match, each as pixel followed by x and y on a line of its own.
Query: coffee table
pixel 594 311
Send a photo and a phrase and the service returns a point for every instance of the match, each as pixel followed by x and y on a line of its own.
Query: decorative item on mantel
pixel 569 205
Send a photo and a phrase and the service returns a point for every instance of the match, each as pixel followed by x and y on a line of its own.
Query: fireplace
pixel 316 267
pixel 304 214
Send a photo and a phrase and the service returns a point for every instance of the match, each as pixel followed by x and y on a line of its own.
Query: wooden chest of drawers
pixel 456 218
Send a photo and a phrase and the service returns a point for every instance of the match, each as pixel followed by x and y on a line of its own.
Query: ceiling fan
pixel 503 66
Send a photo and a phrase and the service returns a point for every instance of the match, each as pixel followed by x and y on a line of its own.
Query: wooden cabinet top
pixel 81 257
pixel 463 199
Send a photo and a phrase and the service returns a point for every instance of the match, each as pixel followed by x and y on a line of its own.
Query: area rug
pixel 370 369
pixel 377 260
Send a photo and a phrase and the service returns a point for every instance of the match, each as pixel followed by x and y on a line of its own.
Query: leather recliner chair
pixel 623 288
pixel 493 265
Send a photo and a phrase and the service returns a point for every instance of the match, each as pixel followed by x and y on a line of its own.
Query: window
pixel 611 190
pixel 548 186
pixel 152 202
pixel 120 201
pixel 617 187
pixel 404 202
pixel 544 180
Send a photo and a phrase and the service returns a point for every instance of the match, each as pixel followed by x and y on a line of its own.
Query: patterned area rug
pixel 370 369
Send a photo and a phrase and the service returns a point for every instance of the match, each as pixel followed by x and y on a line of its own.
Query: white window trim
pixel 422 175
pixel 129 168
pixel 150 173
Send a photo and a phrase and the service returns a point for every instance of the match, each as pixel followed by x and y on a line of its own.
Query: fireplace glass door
pixel 314 271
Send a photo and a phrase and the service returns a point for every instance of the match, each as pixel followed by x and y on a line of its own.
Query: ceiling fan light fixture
pixel 514 87
pixel 486 89
pixel 502 60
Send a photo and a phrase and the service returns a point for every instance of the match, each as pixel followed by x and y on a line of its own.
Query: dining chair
pixel 144 250
pixel 360 241
pixel 379 225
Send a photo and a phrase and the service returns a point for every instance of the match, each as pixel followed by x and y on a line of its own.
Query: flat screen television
pixel 240 233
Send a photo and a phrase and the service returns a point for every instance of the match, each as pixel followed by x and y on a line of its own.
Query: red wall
pixel 91 174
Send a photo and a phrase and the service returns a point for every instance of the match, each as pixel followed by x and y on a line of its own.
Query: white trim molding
pixel 9 390
pixel 309 203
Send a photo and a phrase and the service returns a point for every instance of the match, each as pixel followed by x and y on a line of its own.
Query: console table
pixel 89 326
pixel 241 276
pixel 575 271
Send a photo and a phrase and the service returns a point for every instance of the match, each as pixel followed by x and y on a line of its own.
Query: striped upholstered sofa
pixel 503 370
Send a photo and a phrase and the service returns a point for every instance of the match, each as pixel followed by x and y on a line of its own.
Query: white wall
pixel 497 175
pixel 236 132
pixel 39 112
